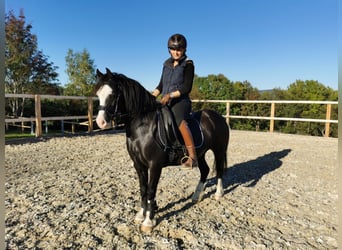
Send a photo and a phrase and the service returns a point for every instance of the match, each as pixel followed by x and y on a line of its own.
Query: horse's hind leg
pixel 221 161
pixel 219 189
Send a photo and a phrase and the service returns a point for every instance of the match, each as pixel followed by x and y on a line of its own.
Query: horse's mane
pixel 137 99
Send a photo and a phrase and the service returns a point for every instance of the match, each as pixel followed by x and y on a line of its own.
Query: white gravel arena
pixel 82 192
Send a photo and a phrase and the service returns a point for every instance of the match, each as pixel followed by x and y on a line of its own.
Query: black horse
pixel 151 136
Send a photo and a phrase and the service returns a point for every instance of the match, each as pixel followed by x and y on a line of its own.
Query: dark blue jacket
pixel 177 78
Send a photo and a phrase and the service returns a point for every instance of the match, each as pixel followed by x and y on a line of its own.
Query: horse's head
pixel 121 98
pixel 109 92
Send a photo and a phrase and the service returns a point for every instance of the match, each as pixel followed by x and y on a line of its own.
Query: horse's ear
pixel 108 71
pixel 98 73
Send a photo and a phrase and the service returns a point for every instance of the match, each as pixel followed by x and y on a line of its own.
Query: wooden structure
pixel 89 117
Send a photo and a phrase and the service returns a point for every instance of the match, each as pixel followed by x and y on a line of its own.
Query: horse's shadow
pixel 246 173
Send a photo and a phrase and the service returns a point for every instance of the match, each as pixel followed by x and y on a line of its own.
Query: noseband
pixel 117 113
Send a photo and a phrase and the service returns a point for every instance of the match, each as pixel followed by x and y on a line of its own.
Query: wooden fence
pixel 90 116
pixel 272 116
pixel 38 117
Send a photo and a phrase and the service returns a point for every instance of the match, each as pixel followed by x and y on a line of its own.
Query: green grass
pixel 27 134
pixel 17 135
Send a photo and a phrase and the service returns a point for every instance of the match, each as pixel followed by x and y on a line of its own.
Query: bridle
pixel 117 113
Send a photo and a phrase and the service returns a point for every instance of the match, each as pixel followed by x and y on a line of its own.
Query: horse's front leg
pixel 143 182
pixel 154 176
pixel 204 169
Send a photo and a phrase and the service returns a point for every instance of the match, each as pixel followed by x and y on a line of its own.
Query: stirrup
pixel 187 166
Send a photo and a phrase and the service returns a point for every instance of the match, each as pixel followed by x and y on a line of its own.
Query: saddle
pixel 168 134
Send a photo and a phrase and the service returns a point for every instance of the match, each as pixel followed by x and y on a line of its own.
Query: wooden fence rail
pixel 90 116
pixel 272 117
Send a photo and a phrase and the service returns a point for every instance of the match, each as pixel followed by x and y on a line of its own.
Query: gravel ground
pixel 82 192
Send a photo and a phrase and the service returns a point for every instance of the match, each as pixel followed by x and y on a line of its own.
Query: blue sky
pixel 270 43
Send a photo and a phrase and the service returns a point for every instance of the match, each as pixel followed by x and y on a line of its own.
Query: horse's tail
pixel 225 162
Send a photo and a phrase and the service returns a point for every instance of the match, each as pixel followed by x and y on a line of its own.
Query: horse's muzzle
pixel 101 121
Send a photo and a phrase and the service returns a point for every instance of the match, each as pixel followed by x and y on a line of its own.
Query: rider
pixel 175 85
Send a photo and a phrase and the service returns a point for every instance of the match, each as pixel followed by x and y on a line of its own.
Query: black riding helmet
pixel 176 41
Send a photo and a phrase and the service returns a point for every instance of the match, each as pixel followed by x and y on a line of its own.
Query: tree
pixel 244 91
pixel 43 76
pixel 27 68
pixel 212 87
pixel 81 73
pixel 308 90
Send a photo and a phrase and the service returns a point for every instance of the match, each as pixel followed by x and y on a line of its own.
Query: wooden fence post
pixel 327 124
pixel 62 127
pixel 90 114
pixel 227 112
pixel 38 116
pixel 272 116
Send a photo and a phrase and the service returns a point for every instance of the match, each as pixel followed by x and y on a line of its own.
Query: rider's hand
pixel 165 100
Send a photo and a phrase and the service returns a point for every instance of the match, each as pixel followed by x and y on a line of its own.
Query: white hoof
pixel 148 224
pixel 146 228
pixel 218 195
pixel 219 189
pixel 139 217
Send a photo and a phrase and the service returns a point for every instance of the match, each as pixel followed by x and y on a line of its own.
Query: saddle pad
pixel 196 131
